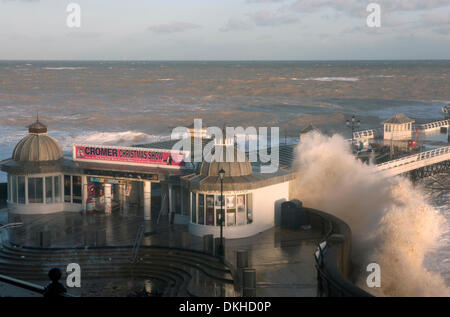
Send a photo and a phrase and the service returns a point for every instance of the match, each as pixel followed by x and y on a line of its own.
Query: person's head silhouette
pixel 55 274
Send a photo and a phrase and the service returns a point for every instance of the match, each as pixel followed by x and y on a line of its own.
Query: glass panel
pixel 194 207
pixel 9 188
pixel 218 217
pixel 201 209
pixel 249 208
pixel 21 189
pixel 230 201
pixel 240 202
pixel 67 190
pixel 76 189
pixel 177 202
pixel 231 217
pixel 35 190
pixel 14 189
pixel 57 189
pixel 210 210
pixel 218 198
pixel 48 190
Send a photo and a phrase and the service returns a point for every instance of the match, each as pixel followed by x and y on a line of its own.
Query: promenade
pixel 283 259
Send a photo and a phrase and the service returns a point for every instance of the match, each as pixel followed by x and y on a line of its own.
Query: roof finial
pixel 37 116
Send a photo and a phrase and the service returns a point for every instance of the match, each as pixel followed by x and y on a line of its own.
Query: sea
pixel 135 102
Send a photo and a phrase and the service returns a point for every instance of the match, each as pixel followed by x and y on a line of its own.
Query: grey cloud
pixel 358 8
pixel 175 27
pixel 236 24
pixel 436 18
pixel 270 18
pixel 264 1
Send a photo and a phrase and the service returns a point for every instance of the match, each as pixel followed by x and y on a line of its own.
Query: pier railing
pixel 414 161
pixel 434 125
pixel 26 285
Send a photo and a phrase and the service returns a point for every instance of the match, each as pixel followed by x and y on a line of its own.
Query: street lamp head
pixel 347 123
pixel 353 118
pixel 221 173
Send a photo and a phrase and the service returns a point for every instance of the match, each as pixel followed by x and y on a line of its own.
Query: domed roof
pixel 236 167
pixel 37 146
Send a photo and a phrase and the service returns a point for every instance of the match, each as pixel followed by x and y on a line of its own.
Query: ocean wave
pixel 332 78
pixel 125 138
pixel 391 221
pixel 63 68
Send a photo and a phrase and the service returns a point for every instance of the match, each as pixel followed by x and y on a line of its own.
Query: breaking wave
pixel 126 138
pixel 392 223
pixel 333 78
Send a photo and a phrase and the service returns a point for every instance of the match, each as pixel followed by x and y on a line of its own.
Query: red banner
pixel 127 155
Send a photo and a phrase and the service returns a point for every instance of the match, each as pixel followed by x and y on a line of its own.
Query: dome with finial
pixel 37 146
pixel 227 157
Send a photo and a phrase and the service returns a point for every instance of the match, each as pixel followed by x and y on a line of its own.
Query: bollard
pixel 185 240
pixel 44 239
pixel 217 246
pixel 248 282
pixel 241 259
pixel 208 243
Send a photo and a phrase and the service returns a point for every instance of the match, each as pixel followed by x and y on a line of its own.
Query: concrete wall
pixel 266 214
pixel 335 269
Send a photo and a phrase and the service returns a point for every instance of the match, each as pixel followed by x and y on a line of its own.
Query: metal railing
pixel 365 134
pixel 330 282
pixel 27 285
pixel 434 125
pixel 137 244
pixel 415 158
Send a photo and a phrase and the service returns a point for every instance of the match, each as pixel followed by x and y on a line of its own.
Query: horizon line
pixel 219 60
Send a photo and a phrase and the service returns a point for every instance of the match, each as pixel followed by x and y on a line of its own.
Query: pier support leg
pixel 147 200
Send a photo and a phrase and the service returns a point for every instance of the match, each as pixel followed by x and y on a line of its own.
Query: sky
pixel 224 30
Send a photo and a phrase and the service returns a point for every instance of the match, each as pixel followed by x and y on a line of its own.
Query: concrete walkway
pixel 283 259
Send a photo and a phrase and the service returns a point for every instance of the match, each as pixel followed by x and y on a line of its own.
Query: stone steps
pixel 175 267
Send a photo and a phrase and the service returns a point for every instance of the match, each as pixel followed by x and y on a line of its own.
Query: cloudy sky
pixel 225 30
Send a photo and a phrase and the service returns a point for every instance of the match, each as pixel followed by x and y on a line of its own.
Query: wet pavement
pixel 283 258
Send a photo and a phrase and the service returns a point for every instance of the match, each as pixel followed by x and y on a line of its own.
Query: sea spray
pixel 392 223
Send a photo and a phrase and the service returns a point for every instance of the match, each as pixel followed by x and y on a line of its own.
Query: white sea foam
pixel 125 138
pixel 392 223
pixel 63 68
pixel 332 78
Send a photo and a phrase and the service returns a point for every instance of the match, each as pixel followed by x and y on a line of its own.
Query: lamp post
pixel 222 216
pixel 353 124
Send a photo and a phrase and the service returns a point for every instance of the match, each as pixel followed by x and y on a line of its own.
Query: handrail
pixel 11 225
pixel 414 158
pixel 435 124
pixel 364 133
pixel 137 243
pixel 27 285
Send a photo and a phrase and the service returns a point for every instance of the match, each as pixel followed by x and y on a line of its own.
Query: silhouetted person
pixel 54 288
